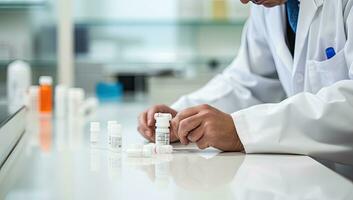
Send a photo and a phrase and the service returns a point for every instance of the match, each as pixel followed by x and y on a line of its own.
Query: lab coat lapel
pixel 308 9
pixel 277 34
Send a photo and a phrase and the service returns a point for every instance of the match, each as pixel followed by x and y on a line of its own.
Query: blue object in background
pixel 330 52
pixel 109 91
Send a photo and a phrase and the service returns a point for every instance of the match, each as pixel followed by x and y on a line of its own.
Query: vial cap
pixel 167 116
pixel 95 126
pixel 115 129
pixel 45 80
pixel 110 123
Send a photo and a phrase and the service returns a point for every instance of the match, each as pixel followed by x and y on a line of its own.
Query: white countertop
pixel 54 160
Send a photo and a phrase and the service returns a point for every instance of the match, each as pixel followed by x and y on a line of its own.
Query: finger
pixel 186 126
pixel 196 134
pixel 143 133
pixel 203 143
pixel 187 113
pixel 143 124
pixel 173 132
pixel 150 117
pixel 245 1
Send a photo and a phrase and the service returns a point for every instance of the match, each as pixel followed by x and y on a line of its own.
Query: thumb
pixel 174 129
pixel 244 1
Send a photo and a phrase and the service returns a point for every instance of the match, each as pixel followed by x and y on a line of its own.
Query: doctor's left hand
pixel 207 127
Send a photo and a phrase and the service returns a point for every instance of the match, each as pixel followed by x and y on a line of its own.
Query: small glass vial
pixel 33 98
pixel 60 101
pixel 45 94
pixel 95 131
pixel 115 140
pixel 75 99
pixel 162 136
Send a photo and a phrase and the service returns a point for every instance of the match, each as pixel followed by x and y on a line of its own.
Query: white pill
pixel 133 152
pixel 149 149
pixel 95 130
pixel 164 149
pixel 135 146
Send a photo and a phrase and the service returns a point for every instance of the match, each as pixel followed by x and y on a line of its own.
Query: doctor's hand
pixel 146 122
pixel 207 127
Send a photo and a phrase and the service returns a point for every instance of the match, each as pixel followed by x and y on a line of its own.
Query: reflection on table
pixel 55 160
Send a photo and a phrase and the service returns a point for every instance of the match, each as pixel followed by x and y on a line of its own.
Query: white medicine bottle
pixel 95 132
pixel 115 137
pixel 18 82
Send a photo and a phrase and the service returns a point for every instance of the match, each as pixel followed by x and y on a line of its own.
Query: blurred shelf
pixel 195 60
pixel 33 63
pixel 239 22
pixel 22 4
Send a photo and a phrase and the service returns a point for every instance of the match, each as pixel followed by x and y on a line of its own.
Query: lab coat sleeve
pixel 318 125
pixel 248 80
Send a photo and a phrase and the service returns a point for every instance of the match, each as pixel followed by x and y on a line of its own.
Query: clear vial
pixel 162 136
pixel 95 130
pixel 115 138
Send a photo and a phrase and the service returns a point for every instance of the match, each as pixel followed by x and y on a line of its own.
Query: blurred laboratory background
pixel 122 48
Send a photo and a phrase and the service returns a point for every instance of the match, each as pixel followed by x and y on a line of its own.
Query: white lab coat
pixel 316 117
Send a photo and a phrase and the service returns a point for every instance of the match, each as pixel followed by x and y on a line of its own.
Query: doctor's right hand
pixel 146 122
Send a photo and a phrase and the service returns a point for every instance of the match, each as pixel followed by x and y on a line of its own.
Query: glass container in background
pixel 219 9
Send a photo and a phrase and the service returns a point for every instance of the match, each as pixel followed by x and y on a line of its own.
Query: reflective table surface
pixel 55 160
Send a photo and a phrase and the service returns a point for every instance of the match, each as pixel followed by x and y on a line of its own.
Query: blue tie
pixel 293 13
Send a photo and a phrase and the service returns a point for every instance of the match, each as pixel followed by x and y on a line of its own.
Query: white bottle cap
pixel 115 129
pixel 148 150
pixel 110 125
pixel 95 126
pixel 168 116
pixel 45 80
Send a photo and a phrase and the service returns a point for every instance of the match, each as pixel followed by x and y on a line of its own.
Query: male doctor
pixel 288 91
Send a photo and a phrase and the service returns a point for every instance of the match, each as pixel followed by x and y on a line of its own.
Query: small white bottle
pixel 33 99
pixel 18 82
pixel 109 128
pixel 162 136
pixel 75 101
pixel 95 132
pixel 115 138
pixel 60 101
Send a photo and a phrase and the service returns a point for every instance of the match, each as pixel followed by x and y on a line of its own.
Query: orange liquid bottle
pixel 45 94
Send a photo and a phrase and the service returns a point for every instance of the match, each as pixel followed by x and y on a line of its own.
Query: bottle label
pixel 162 138
pixel 115 143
